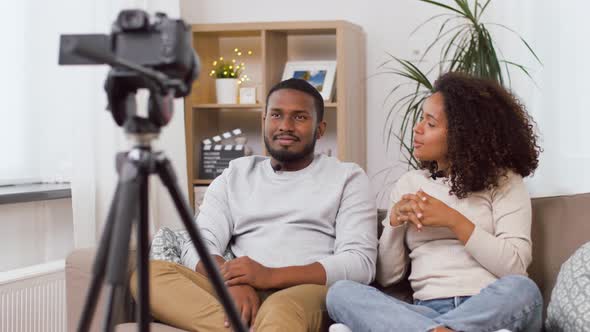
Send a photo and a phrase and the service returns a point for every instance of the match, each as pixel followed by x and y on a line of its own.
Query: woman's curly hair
pixel 489 133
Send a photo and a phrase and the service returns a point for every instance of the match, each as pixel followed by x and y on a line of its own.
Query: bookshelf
pixel 273 44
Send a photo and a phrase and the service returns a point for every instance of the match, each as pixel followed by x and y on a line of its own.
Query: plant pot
pixel 226 90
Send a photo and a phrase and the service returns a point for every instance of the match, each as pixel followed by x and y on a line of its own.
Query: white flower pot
pixel 226 90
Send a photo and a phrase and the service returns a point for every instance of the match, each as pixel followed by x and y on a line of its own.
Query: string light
pixel 233 69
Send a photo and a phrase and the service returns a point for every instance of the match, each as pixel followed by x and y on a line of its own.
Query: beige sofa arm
pixel 78 276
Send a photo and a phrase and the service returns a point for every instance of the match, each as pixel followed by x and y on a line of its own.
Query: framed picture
pixel 320 74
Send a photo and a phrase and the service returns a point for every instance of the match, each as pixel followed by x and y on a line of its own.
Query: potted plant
pixel 466 45
pixel 229 74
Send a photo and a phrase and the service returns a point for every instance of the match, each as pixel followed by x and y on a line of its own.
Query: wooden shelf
pixel 245 106
pixel 202 182
pixel 228 106
pixel 273 45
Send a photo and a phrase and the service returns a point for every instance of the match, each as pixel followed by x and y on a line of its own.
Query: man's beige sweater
pixel 441 266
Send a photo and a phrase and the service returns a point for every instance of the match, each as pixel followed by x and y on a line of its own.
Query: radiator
pixel 33 299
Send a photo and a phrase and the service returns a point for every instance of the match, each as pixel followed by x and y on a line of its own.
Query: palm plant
pixel 467 46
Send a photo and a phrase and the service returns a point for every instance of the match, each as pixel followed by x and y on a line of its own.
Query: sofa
pixel 560 226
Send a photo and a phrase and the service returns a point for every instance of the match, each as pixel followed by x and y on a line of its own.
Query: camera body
pixel 164 45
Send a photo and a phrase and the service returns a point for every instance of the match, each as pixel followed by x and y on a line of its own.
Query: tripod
pixel 130 203
pixel 129 206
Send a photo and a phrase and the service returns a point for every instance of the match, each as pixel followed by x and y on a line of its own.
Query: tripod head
pixel 158 57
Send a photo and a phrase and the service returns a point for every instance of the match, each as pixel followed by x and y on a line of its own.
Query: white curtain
pixel 559 103
pixel 32 127
pixel 96 139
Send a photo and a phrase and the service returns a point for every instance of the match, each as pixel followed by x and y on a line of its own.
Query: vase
pixel 226 90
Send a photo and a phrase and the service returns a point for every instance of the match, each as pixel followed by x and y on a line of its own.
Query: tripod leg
pixel 127 213
pixel 98 268
pixel 168 177
pixel 143 296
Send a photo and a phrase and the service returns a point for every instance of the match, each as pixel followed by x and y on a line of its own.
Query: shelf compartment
pixel 228 106
pixel 201 182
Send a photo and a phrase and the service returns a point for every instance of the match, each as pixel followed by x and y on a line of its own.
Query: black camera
pixel 157 56
pixel 164 45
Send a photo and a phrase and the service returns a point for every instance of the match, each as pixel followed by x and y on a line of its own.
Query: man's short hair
pixel 305 87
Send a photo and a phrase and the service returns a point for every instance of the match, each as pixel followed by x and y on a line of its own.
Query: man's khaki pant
pixel 185 299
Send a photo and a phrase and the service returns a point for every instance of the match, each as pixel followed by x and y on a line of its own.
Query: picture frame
pixel 247 95
pixel 320 74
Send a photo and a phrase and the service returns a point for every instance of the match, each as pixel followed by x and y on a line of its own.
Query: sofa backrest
pixel 561 224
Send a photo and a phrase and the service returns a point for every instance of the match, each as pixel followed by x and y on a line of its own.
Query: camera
pixel 164 45
pixel 155 55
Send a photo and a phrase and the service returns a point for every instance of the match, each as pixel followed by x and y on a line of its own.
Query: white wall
pixel 35 233
pixel 388 25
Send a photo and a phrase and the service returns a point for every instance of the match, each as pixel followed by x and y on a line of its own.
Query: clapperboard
pixel 215 155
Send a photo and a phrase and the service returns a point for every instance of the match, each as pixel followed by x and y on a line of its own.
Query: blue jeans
pixel 512 302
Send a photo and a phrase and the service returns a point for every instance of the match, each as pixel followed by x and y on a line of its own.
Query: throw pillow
pixel 569 308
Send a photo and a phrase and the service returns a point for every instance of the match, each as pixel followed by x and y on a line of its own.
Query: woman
pixel 463 221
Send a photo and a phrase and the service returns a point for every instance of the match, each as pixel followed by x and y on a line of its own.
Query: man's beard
pixel 286 156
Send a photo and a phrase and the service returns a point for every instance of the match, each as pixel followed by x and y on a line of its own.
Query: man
pixel 297 222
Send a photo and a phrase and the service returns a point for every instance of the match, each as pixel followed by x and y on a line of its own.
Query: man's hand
pixel 246 271
pixel 247 303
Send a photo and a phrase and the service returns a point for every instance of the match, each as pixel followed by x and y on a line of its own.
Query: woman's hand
pixel 428 211
pixel 405 210
pixel 422 209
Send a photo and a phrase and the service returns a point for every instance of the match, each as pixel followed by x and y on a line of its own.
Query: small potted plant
pixel 229 74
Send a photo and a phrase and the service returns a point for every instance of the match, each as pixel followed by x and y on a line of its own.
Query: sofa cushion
pixel 79 272
pixel 154 327
pixel 167 246
pixel 569 308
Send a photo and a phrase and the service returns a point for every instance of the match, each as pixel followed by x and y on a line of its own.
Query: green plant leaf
pixel 466 11
pixel 428 21
pixel 483 8
pixel 410 159
pixel 521 39
pixel 439 37
pixel 392 110
pixel 436 3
